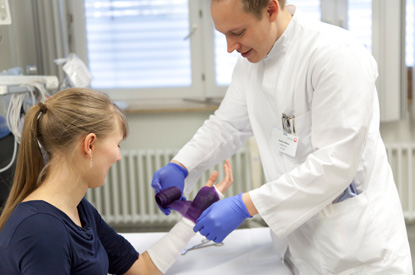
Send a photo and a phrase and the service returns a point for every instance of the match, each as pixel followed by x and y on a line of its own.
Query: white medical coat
pixel 326 78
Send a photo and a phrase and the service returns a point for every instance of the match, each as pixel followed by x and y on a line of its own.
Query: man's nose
pixel 232 44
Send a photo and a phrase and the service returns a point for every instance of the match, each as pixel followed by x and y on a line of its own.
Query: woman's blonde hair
pixel 56 126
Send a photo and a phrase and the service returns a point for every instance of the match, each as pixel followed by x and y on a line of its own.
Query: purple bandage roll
pixel 167 196
pixel 170 198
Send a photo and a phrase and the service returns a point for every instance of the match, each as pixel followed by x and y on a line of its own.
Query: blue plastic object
pixel 4 130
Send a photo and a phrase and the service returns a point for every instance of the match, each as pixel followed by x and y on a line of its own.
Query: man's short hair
pixel 256 6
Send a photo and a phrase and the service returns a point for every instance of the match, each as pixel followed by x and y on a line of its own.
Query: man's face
pixel 253 38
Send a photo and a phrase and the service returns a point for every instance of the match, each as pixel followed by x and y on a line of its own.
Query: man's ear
pixel 89 143
pixel 273 9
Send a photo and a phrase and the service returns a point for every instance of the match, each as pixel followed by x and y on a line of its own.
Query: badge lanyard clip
pixel 288 124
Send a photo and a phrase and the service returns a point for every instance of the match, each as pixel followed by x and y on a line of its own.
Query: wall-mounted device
pixel 5 18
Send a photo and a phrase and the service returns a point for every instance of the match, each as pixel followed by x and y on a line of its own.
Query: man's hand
pixel 221 218
pixel 168 176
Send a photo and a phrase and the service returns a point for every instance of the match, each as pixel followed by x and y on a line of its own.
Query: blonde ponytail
pixel 29 164
pixel 57 126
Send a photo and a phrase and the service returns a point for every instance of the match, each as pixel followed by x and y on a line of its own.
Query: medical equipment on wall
pixel 76 72
pixel 5 18
pixel 17 95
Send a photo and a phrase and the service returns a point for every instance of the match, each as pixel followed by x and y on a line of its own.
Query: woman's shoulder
pixel 33 221
pixel 35 237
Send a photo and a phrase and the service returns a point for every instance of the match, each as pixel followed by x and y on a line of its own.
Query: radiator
pixel 127 198
pixel 401 157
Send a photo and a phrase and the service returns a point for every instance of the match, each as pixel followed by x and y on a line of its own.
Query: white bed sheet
pixel 245 251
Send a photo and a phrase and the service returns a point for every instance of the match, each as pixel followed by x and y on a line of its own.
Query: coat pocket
pixel 347 236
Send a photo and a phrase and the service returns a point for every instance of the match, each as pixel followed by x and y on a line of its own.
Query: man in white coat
pixel 306 91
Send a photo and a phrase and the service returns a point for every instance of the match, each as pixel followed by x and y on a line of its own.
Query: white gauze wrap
pixel 165 252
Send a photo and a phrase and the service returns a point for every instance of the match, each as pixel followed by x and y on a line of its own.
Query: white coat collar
pixel 287 36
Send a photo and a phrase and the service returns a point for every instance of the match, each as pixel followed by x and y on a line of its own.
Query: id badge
pixel 287 143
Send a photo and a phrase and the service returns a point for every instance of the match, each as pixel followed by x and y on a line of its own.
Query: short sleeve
pixel 41 246
pixel 121 254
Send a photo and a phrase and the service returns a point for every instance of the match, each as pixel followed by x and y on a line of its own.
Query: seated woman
pixel 47 226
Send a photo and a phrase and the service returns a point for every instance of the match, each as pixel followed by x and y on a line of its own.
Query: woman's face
pixel 105 154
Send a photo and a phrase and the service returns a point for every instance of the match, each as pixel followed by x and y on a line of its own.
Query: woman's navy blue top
pixel 38 238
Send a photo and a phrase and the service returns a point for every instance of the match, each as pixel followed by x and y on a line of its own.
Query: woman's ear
pixel 89 143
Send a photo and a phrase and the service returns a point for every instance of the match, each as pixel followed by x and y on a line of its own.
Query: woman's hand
pixel 224 185
pixel 209 194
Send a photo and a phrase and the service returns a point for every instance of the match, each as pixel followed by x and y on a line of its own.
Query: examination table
pixel 244 251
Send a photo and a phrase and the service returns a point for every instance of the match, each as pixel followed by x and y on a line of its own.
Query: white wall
pixel 398 131
pixel 162 130
pixel 173 130
pixel 17 48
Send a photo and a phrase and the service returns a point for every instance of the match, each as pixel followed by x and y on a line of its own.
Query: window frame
pixel 387 49
pixel 408 76
pixel 393 90
pixel 209 75
pixel 78 45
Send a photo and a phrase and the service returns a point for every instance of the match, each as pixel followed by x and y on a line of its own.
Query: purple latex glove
pixel 221 218
pixel 168 176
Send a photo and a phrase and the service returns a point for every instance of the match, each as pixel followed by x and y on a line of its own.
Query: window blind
pixel 360 20
pixel 224 61
pixel 138 43
pixel 359 16
pixel 309 8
